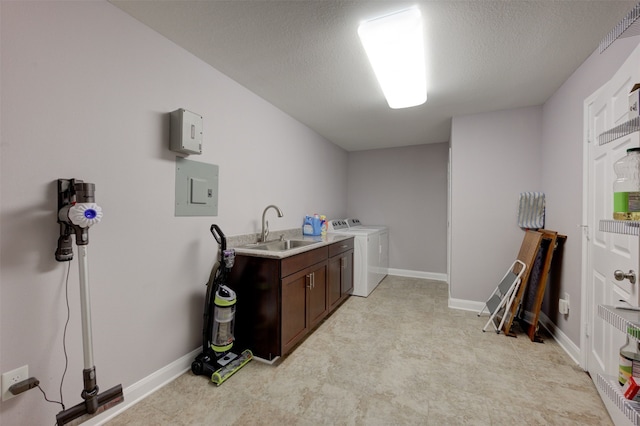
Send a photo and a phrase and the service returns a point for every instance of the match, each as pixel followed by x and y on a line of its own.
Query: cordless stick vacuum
pixel 77 212
pixel 216 359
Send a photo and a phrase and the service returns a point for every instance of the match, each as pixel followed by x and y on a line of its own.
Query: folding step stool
pixel 503 295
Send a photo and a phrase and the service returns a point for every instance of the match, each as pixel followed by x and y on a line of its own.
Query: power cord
pixel 64 334
pixel 47 399
pixel 64 343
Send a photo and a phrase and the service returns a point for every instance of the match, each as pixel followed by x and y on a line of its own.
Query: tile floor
pixel 398 357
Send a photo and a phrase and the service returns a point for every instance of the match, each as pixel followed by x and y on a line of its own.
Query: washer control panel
pixel 338 225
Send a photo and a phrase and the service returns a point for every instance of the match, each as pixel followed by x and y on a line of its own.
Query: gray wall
pixel 86 92
pixel 405 189
pixel 495 157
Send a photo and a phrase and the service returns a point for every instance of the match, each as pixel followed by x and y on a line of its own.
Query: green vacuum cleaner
pixel 216 359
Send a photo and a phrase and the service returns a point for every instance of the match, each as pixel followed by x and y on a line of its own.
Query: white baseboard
pixel 465 305
pixel 565 343
pixel 417 274
pixel 569 347
pixel 146 386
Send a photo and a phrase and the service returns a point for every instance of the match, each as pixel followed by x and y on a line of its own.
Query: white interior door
pixel 607 251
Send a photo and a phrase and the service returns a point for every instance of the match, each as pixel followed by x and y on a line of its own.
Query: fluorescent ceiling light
pixel 395 47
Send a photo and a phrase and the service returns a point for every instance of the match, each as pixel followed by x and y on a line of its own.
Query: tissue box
pixel 634 102
pixel 630 389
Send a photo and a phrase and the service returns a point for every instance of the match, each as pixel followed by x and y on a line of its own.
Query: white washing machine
pixel 379 256
pixel 357 224
pixel 365 248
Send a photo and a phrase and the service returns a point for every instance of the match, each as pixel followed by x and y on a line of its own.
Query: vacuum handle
pixel 219 236
pixel 85 307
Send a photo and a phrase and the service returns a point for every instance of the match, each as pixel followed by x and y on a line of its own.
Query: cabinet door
pixel 346 274
pixel 335 280
pixel 340 281
pixel 294 309
pixel 317 294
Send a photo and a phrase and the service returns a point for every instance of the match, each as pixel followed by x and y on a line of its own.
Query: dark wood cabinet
pixel 281 300
pixel 304 303
pixel 335 279
pixel 347 274
pixel 295 322
pixel 317 300
pixel 340 265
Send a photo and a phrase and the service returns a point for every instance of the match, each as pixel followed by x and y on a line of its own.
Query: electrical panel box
pixel 196 188
pixel 186 132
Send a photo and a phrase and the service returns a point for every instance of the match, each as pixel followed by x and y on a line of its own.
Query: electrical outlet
pixel 11 378
pixel 563 307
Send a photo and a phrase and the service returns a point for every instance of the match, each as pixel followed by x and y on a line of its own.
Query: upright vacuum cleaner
pixel 216 359
pixel 77 212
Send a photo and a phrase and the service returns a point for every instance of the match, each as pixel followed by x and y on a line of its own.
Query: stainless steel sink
pixel 283 245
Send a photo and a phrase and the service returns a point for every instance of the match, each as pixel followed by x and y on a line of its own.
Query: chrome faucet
pixel 265 223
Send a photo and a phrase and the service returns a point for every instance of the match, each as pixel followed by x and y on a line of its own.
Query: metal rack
pixel 619 131
pixel 624 320
pixel 630 409
pixel 625 26
pixel 628 322
pixel 626 227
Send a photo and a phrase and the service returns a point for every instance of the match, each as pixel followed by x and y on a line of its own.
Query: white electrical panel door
pixel 196 188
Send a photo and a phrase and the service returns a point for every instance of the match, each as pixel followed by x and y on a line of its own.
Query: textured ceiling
pixel 304 57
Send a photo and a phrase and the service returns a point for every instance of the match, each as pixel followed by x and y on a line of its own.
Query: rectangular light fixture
pixel 395 46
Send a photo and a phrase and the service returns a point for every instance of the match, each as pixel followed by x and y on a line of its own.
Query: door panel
pixel 607 252
pixel 294 309
pixel 599 345
pixel 334 280
pixel 318 307
pixel 620 98
pixel 346 281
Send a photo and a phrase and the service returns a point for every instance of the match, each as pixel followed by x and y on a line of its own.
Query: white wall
pixel 405 189
pixel 495 157
pixel 562 140
pixel 86 92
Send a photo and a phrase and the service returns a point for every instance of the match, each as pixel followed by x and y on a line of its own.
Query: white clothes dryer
pixel 379 258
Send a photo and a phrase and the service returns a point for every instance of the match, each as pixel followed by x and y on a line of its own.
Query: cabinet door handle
pixel 342 262
pixel 312 280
